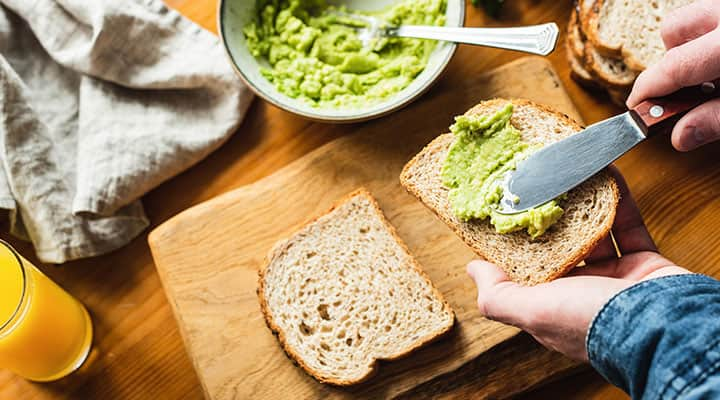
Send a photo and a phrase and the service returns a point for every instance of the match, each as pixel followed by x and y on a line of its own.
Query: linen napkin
pixel 101 101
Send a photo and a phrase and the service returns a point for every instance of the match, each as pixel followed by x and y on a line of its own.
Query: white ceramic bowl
pixel 233 15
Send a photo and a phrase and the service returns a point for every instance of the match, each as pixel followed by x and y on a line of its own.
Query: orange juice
pixel 45 333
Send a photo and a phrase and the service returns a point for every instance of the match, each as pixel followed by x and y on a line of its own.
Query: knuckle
pixel 489 306
pixel 484 305
pixel 706 120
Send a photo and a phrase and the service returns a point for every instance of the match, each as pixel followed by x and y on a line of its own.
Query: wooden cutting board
pixel 208 257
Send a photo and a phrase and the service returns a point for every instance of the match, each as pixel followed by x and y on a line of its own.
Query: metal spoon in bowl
pixel 535 39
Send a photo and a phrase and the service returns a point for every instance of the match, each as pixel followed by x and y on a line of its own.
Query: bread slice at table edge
pixel 282 245
pixel 443 141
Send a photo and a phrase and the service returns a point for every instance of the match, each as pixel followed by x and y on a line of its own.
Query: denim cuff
pixel 660 337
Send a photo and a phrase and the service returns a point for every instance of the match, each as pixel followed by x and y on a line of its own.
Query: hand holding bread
pixel 692 37
pixel 558 313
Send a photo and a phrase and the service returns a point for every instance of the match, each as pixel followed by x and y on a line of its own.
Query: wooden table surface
pixel 138 352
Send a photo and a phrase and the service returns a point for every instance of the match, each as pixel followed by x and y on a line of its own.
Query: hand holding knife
pixel 557 168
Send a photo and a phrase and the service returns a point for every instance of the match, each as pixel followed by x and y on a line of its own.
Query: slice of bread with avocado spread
pixel 588 210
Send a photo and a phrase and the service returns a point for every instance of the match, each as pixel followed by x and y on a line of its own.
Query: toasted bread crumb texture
pixel 589 208
pixel 344 292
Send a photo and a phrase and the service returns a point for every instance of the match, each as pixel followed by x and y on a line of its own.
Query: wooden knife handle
pixel 653 112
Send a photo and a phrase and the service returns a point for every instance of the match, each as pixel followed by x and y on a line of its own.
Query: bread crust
pixel 590 28
pixel 581 75
pixel 583 15
pixel 582 49
pixel 282 245
pixel 631 61
pixel 568 263
pixel 572 35
pixel 576 56
pixel 610 81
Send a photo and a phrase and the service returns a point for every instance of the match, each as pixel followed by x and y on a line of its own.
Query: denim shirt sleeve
pixel 660 339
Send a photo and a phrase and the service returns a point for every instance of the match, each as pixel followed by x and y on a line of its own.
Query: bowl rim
pixel 337 119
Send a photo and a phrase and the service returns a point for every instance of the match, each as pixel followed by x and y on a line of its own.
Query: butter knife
pixel 559 167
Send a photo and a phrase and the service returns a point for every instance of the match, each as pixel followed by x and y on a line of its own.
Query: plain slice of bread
pixel 630 28
pixel 609 72
pixel 344 292
pixel 607 28
pixel 589 208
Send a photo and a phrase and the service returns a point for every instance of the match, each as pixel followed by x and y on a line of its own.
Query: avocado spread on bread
pixel 485 148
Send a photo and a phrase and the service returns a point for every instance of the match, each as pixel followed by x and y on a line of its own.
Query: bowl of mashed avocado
pixel 306 57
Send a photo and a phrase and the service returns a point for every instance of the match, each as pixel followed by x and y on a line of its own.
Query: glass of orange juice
pixel 45 334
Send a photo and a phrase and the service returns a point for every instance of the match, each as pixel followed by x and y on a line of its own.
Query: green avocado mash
pixel 485 148
pixel 317 57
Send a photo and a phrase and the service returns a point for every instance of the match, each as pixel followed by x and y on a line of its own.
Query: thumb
pixel 485 274
pixel 498 298
pixel 698 127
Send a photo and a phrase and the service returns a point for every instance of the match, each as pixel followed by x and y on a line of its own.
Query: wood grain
pixel 208 256
pixel 138 352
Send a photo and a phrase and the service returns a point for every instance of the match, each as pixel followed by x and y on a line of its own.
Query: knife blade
pixel 559 167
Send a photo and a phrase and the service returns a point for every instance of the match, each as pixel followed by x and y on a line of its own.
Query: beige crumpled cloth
pixel 101 101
